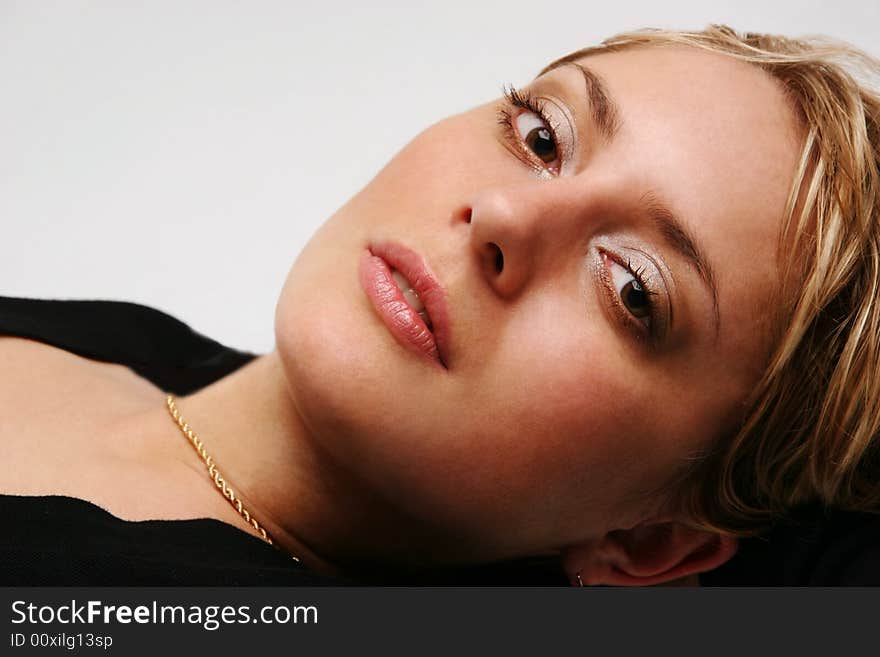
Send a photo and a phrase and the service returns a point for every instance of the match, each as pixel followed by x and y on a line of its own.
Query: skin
pixel 555 420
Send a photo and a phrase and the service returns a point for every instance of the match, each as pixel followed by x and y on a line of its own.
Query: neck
pixel 311 507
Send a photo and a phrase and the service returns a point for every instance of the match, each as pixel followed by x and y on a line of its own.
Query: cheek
pixel 555 403
pixel 439 170
pixel 552 439
pixel 577 418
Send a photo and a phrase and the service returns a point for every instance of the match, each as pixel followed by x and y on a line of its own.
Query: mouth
pixel 408 299
pixel 412 297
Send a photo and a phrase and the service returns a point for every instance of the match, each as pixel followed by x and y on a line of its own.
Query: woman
pixel 621 317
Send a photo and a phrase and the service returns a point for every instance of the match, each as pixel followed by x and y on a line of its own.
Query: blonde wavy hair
pixel 811 431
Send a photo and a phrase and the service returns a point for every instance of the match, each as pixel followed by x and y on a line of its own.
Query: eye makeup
pixel 636 286
pixel 524 115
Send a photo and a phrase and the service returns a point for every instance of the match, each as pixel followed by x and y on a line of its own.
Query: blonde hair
pixel 811 431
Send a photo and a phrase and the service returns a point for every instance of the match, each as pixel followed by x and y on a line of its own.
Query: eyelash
pixel 522 99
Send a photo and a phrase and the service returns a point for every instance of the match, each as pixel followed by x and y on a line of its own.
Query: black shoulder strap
pixel 157 346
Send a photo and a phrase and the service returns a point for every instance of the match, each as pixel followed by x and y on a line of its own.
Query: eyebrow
pixel 606 113
pixel 679 239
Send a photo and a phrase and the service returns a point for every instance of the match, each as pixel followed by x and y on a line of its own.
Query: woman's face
pixel 606 270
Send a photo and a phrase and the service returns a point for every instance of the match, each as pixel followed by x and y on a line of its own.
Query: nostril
pixel 499 258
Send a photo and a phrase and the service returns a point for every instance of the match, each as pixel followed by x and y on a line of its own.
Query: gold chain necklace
pixel 215 475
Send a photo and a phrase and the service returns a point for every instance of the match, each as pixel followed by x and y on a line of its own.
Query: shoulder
pixel 158 347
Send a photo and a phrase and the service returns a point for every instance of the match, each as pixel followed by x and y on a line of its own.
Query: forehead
pixel 720 109
pixel 718 140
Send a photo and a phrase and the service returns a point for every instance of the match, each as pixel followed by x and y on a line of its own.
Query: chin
pixel 337 369
pixel 317 340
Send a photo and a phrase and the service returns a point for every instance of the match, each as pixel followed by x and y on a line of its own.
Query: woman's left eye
pixel 537 136
pixel 632 292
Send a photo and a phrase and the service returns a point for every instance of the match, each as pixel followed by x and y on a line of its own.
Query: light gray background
pixel 180 154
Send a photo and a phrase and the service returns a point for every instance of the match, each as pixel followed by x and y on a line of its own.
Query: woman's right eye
pixel 530 131
pixel 537 136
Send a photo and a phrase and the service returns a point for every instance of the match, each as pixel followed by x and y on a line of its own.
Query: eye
pixel 634 296
pixel 537 136
pixel 532 130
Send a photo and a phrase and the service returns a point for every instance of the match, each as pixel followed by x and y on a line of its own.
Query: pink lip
pixel 404 323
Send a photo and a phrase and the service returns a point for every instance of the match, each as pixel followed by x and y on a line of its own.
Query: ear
pixel 650 553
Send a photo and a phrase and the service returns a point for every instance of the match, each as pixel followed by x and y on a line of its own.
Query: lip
pixel 401 319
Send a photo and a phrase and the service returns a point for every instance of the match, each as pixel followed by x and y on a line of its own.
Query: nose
pixel 519 232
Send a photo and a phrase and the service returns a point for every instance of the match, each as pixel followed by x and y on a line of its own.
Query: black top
pixel 59 540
